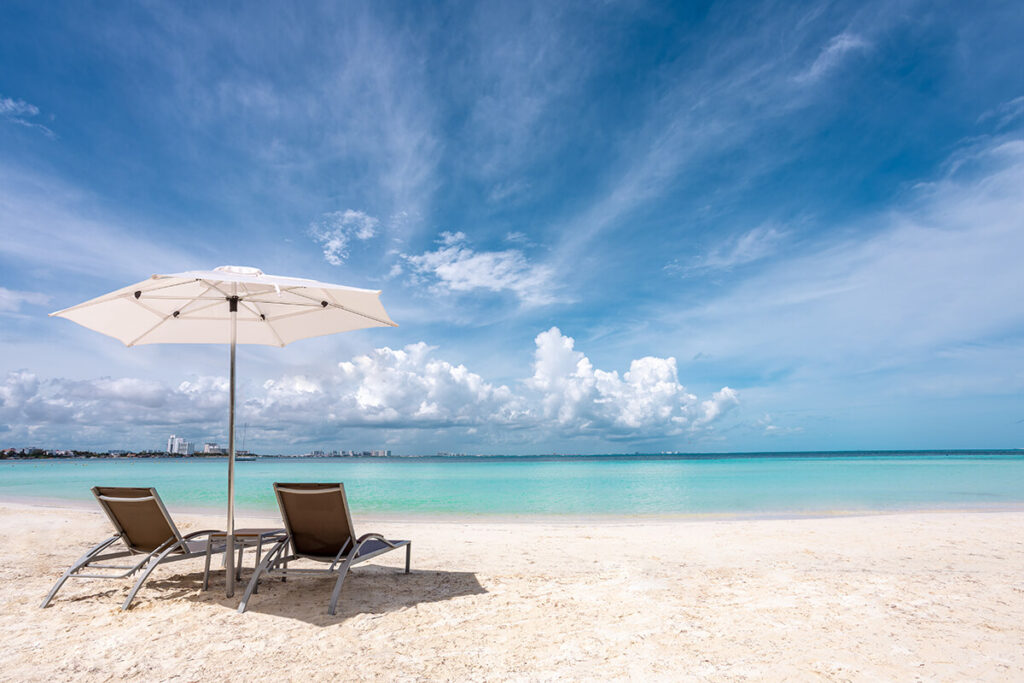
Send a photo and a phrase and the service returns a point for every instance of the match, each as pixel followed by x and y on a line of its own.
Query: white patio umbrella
pixel 228 305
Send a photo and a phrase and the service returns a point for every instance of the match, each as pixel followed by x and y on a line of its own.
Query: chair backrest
pixel 316 517
pixel 139 516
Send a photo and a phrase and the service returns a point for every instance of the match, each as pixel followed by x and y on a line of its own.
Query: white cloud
pixel 11 107
pixel 11 300
pixel 767 423
pixel 940 271
pixel 401 388
pixel 832 55
pixel 748 247
pixel 407 388
pixel 518 238
pixel 455 267
pixel 1005 113
pixel 62 229
pixel 732 100
pixel 646 400
pixel 335 230
pixel 20 112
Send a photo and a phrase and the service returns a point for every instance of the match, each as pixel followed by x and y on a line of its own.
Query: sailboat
pixel 246 457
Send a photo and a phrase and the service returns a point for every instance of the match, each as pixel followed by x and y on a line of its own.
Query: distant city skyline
pixel 601 228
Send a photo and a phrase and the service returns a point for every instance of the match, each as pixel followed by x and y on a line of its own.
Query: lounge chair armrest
pixel 367 537
pixel 204 532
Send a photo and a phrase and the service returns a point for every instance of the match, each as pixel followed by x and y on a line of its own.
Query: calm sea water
pixel 645 485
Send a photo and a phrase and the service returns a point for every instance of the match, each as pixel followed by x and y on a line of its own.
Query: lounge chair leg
pixel 238 565
pixel 260 568
pixel 153 564
pixel 206 571
pixel 259 548
pixel 408 551
pixel 56 586
pixel 79 563
pixel 342 573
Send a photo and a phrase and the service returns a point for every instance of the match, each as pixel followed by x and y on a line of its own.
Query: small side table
pixel 244 538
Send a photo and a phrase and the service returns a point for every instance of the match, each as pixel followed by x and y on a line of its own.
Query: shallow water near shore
pixel 748 485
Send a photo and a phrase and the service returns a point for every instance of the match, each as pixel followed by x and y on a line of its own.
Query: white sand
pixel 934 596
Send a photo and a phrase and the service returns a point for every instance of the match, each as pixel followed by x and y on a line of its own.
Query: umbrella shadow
pixel 370 590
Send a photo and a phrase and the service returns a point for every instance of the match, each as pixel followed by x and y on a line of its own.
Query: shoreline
pixel 674 455
pixel 613 519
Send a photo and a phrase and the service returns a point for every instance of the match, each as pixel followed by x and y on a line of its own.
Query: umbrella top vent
pixel 239 270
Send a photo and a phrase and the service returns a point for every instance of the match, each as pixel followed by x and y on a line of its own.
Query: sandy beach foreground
pixel 893 597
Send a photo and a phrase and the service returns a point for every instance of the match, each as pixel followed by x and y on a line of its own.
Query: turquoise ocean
pixel 748 485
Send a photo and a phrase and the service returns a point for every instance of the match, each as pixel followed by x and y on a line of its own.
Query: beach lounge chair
pixel 148 534
pixel 319 528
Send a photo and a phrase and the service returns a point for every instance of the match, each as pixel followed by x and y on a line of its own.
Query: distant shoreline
pixel 546 457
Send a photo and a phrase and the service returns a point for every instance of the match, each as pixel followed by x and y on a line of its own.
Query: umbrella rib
pixel 201 297
pixel 218 302
pixel 165 318
pixel 187 298
pixel 161 322
pixel 292 315
pixel 146 306
pixel 280 303
pixel 107 298
pixel 248 303
pixel 348 310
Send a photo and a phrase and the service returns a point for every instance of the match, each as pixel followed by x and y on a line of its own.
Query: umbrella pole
pixel 229 557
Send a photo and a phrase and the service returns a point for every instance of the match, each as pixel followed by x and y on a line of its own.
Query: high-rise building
pixel 177 445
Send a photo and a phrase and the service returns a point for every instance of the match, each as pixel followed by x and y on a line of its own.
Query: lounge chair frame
pixel 275 562
pixel 174 549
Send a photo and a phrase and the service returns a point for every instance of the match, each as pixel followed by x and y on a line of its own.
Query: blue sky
pixel 615 228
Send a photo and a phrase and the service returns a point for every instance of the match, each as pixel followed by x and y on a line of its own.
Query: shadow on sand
pixel 368 590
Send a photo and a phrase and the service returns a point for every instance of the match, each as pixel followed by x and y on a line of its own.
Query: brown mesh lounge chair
pixel 319 528
pixel 147 532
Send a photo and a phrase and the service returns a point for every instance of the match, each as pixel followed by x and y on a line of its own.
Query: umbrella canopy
pixel 228 305
pixel 195 308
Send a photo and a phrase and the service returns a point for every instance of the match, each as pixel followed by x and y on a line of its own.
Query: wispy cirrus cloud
pixel 840 48
pixel 883 300
pixel 61 228
pixel 22 113
pixel 1005 114
pixel 706 113
pixel 753 245
pixel 12 300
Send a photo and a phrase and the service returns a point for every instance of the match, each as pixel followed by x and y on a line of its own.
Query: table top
pixel 250 532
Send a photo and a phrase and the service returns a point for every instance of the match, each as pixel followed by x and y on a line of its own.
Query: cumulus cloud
pixel 648 398
pixel 82 410
pixel 407 388
pixel 22 113
pixel 455 267
pixel 335 230
pixel 399 388
pixel 832 55
pixel 11 300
